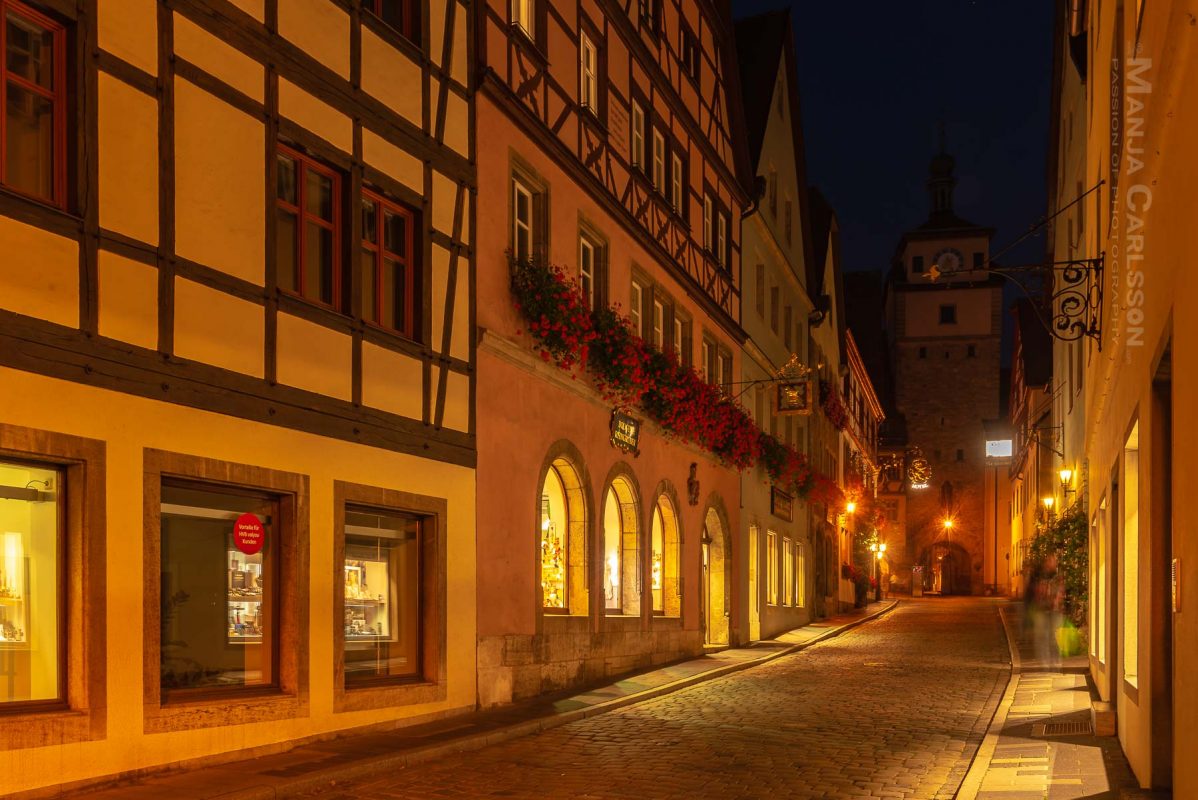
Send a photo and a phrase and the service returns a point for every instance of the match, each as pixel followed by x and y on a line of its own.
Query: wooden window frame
pixel 410 28
pixel 771 567
pixel 657 324
pixel 708 223
pixel 689 53
pixel 637 145
pixel 524 17
pixel 304 162
pixel 658 165
pixel 588 84
pixel 289 699
pixel 529 226
pixel 379 253
pixel 57 96
pixel 432 684
pixel 80 714
pixel 677 182
pixel 636 306
pixel 788 571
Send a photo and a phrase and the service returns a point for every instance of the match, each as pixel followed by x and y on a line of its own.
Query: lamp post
pixel 879 551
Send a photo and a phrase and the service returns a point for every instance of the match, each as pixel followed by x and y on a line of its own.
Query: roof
pixel 760 49
pixel 823 222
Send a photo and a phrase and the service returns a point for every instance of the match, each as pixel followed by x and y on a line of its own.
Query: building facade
pixel 236 441
pixel 612 152
pixel 775 313
pixel 944 313
pixel 1125 202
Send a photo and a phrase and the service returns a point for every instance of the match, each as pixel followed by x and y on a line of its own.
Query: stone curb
pixel 370 767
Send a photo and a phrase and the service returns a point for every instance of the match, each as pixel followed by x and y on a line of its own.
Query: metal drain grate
pixel 1062 729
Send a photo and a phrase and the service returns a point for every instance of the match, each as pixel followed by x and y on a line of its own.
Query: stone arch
pixel 563 514
pixel 623 563
pixel 948 568
pixel 665 548
pixel 716 563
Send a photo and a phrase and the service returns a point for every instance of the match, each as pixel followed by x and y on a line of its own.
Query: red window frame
pixel 379 254
pixel 57 96
pixel 410 20
pixel 304 163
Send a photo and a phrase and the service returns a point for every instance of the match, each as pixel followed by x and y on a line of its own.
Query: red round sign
pixel 248 534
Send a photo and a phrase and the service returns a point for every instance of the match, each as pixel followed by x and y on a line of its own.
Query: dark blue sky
pixel 877 78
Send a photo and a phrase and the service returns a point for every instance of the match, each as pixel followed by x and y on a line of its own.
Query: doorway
pixel 715 606
pixel 754 588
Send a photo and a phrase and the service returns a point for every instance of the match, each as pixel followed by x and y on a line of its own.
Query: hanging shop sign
pixel 781 504
pixel 919 471
pixel 793 389
pixel 625 433
pixel 249 534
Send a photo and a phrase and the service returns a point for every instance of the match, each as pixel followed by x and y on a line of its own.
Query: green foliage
pixel 1067 537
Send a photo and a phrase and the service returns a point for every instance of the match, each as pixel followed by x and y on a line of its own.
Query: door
pixel 754 587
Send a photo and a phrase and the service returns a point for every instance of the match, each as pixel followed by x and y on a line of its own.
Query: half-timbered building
pixel 610 148
pixel 237 443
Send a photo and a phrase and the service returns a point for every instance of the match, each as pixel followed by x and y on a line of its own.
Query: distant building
pixel 943 314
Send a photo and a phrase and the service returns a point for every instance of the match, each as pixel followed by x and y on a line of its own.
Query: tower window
pixel 948 314
pixel 917 264
pixel 979 260
pixel 960 455
pixel 923 352
pixel 973 351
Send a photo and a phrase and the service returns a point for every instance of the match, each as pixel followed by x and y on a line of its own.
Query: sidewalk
pixel 322 763
pixel 1040 743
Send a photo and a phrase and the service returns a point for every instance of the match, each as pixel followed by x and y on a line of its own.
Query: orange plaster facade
pixel 580 164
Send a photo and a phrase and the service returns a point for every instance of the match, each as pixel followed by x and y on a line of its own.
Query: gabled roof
pixel 760 45
pixel 823 223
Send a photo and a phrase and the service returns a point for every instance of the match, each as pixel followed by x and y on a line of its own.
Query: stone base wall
pixel 568 654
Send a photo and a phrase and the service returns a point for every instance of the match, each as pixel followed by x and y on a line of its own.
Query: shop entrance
pixel 715 607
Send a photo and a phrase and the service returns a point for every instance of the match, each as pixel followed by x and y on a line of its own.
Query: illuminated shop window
pixel 219 588
pixel 771 567
pixel 382 595
pixel 621 557
pixel 788 556
pixel 31 584
pixel 33 124
pixel 667 594
pixel 555 554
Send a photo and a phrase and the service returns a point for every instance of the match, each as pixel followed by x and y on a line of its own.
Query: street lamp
pixel 948 524
pixel 1048 502
pixel 879 551
pixel 850 507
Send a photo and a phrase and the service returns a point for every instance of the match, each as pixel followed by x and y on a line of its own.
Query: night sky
pixel 876 80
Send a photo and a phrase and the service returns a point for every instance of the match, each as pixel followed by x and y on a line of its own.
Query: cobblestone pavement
pixel 893 709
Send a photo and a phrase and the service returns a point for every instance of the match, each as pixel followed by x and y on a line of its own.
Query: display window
pixel 621 550
pixel 663 575
pixel 219 579
pixel 555 573
pixel 32 583
pixel 382 612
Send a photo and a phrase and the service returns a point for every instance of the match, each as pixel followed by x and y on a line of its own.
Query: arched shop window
pixel 621 554
pixel 562 541
pixel 664 572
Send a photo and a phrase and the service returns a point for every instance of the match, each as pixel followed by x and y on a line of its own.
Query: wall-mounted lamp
pixel 850 507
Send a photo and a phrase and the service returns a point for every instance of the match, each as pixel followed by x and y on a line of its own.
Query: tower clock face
pixel 949 260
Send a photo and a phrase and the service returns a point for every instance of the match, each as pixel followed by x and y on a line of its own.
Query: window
pixel 676 186
pixel 760 290
pixel 588 73
pixel 621 557
pixel 708 222
pixel 979 260
pixel 638 136
pixel 721 239
pixel 775 302
pixel 659 161
pixel 723 371
pixel 523 225
pixel 33 578
pixel 33 128
pixel 682 340
pixel 219 574
pixel 382 575
pixel 771 567
pixel 801 574
pixel 788 572
pixel 659 324
pixel 972 351
pixel 787 326
pixel 388 265
pixel 592 271
pixel 917 264
pixel 960 455
pixel 308 234
pixel 948 314
pixel 634 309
pixel 773 187
pixel 706 367
pixel 649 14
pixel 402 15
pixel 923 352
pixel 522 16
pixel 690 54
pixel 1131 558
pixel 665 585
pixel 788 220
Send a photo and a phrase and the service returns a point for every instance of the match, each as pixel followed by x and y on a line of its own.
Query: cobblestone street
pixel 894 708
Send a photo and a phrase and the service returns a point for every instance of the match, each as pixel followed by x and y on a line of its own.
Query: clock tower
pixel 944 323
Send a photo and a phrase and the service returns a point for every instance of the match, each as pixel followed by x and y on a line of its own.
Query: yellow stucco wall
pixel 128 425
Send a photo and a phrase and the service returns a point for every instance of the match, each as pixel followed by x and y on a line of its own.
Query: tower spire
pixel 941 180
